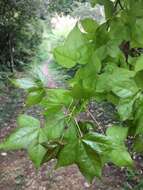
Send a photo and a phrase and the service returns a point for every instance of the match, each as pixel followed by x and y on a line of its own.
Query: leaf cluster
pixel 107 71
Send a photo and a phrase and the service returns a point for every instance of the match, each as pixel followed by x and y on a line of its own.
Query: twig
pixel 94 119
pixel 78 127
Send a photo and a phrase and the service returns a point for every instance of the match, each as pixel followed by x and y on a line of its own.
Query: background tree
pixel 20 31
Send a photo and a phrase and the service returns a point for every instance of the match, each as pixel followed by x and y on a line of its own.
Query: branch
pixel 94 119
pixel 78 127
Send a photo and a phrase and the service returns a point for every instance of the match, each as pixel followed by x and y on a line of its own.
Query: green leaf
pixel 137 30
pixel 117 78
pixel 96 63
pixel 24 121
pixel 125 108
pixel 139 63
pixel 88 161
pixel 139 79
pixel 102 85
pixel 122 73
pixel 35 97
pixel 99 143
pixel 24 135
pixel 67 155
pixel 121 157
pixel 112 48
pixel 138 144
pixel 112 98
pixel 125 89
pixel 76 49
pixel 102 37
pixel 54 126
pixel 118 135
pixel 84 82
pixel 79 92
pixel 109 8
pixel 138 119
pixel 89 25
pixel 86 154
pixel 135 8
pixel 55 100
pixel 65 58
pixel 36 153
pixel 71 133
pixel 119 30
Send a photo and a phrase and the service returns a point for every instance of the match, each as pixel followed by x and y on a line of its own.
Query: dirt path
pixel 18 173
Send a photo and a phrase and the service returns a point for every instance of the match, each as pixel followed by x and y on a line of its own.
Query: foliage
pixel 20 32
pixel 64 6
pixel 110 68
pixel 85 10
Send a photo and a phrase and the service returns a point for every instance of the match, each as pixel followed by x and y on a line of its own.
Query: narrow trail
pixel 18 173
pixel 46 71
